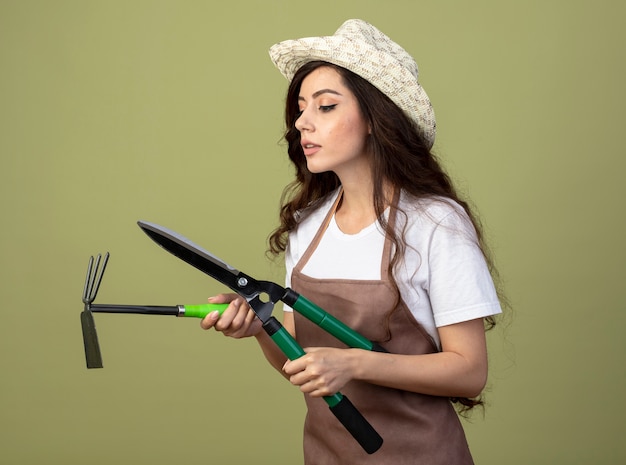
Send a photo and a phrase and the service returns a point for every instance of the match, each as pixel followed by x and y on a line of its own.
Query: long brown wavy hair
pixel 400 158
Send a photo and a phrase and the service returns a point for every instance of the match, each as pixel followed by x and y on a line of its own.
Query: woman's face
pixel 333 132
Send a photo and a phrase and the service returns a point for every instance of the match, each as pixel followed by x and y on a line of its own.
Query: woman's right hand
pixel 237 321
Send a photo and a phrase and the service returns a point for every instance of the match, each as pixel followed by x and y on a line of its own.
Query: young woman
pixel 374 232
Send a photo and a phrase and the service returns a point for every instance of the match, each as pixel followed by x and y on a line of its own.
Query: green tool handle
pixel 339 404
pixel 202 310
pixel 328 322
pixel 193 311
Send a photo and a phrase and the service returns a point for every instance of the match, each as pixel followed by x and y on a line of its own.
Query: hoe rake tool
pixel 95 271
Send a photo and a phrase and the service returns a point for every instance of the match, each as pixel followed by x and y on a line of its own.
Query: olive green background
pixel 170 111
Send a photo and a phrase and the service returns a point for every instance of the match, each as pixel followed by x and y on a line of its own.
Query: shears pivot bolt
pixel 242 282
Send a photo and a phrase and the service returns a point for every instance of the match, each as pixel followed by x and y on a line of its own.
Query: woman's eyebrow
pixel 321 92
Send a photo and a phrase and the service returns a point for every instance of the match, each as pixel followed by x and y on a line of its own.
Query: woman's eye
pixel 327 108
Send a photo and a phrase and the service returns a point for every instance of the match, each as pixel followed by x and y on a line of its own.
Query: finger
pixel 314 388
pixel 301 380
pixel 222 298
pixel 209 321
pixel 250 317
pixel 241 318
pixel 320 393
pixel 228 315
pixel 299 365
pixel 291 367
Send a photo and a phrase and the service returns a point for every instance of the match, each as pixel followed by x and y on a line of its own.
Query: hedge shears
pixel 262 297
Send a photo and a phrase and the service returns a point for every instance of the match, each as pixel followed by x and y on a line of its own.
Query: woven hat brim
pixel 372 64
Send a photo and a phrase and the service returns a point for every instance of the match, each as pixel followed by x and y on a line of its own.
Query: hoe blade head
pixel 93 356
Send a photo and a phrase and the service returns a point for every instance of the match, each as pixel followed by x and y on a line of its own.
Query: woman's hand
pixel 322 371
pixel 237 321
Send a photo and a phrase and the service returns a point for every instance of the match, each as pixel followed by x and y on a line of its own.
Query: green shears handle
pixel 329 323
pixel 339 404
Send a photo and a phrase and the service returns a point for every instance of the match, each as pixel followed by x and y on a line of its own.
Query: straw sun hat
pixel 361 48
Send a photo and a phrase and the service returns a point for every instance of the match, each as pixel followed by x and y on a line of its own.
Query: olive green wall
pixel 170 111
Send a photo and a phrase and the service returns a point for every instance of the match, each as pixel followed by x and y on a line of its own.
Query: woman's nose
pixel 303 122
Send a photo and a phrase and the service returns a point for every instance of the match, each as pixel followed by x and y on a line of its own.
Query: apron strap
pixel 320 232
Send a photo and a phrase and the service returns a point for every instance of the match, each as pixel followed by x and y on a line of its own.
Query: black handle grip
pixel 357 425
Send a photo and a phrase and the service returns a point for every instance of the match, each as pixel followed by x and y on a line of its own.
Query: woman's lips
pixel 309 148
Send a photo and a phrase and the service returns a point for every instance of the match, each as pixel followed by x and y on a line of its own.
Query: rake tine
pixel 98 273
pixel 87 288
pixel 92 278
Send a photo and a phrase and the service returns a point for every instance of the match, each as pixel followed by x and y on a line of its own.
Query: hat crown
pixel 357 29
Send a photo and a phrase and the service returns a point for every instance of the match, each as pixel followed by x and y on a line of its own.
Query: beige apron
pixel 415 428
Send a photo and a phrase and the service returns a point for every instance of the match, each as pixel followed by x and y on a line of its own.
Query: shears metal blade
pixel 260 295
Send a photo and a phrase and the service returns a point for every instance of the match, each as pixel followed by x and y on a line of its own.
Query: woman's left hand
pixel 322 371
